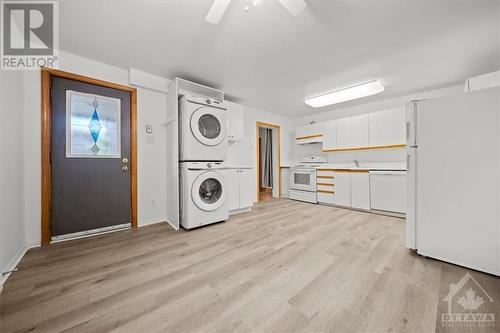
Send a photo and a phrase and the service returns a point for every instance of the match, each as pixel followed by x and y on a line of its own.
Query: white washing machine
pixel 202 129
pixel 203 193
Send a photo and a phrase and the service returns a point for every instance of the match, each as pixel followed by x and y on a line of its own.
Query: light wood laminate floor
pixel 286 266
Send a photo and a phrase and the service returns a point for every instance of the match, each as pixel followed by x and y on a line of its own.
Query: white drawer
pixel 326 198
pixel 303 196
pixel 329 188
pixel 327 173
pixel 330 181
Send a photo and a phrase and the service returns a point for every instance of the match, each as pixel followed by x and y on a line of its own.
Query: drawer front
pixel 321 181
pixel 328 188
pixel 326 173
pixel 326 198
pixel 303 196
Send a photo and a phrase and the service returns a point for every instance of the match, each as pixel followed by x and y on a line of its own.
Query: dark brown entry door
pixel 90 158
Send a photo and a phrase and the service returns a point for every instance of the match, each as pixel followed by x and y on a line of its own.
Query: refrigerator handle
pixel 407 131
pixel 407 162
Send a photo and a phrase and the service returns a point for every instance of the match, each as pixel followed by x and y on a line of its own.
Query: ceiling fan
pixel 295 7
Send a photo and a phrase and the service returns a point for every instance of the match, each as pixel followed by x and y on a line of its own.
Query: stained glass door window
pixel 92 126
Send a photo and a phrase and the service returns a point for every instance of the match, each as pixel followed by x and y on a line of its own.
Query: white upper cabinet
pixel 330 135
pixel 387 127
pixel 373 130
pixel 311 133
pixel 344 133
pixel 359 131
pixel 235 122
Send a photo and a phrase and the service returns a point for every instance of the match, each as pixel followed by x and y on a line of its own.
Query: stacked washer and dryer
pixel 202 150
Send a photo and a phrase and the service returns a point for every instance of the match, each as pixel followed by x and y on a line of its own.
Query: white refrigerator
pixel 453 170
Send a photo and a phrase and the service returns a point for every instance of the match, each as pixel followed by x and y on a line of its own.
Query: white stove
pixel 303 178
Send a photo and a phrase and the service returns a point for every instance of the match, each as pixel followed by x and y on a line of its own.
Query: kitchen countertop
pixel 369 166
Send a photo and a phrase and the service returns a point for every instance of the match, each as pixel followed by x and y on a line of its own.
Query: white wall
pixel 151 156
pixel 383 155
pixel 151 109
pixel 12 240
pixel 244 153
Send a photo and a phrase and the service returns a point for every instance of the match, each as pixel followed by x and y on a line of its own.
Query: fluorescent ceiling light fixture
pixel 346 94
pixel 216 11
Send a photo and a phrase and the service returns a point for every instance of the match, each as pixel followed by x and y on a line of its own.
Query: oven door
pixel 303 179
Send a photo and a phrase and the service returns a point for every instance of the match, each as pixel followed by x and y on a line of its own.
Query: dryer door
pixel 208 125
pixel 208 192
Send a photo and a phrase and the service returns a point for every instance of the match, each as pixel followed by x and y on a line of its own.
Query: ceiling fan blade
pixel 216 11
pixel 294 6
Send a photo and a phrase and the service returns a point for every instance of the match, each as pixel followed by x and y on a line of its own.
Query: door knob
pixel 125 160
pixel 124 168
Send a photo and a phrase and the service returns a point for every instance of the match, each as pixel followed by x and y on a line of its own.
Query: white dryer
pixel 202 129
pixel 203 192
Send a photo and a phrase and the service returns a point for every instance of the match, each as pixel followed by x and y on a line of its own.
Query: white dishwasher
pixel 388 190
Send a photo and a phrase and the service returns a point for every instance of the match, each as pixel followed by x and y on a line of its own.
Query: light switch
pixel 149 129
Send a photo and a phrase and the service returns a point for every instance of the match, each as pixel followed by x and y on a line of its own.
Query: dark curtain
pixel 266 157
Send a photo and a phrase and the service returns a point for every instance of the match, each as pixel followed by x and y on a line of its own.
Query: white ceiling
pixel 269 59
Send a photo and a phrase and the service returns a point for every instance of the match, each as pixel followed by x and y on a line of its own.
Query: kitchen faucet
pixel 356 162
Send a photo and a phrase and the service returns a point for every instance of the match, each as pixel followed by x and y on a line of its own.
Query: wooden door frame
pixel 259 124
pixel 46 126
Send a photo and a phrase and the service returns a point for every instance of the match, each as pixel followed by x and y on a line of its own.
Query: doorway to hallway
pixel 268 161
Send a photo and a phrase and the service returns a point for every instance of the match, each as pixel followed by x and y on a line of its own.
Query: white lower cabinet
pixel 325 186
pixel 342 188
pixel 233 189
pixel 285 182
pixel 350 189
pixel 240 194
pixel 360 190
pixel 247 188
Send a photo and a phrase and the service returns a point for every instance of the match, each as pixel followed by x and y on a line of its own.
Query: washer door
pixel 207 125
pixel 208 191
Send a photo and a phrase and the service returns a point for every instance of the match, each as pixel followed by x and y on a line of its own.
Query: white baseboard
pixel 459 263
pixel 153 221
pixel 14 262
pixel 20 254
pixel 240 210
pixel 174 227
